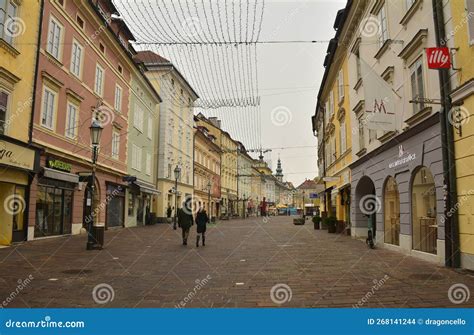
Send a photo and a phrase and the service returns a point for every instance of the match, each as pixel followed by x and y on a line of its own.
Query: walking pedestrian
pixel 185 219
pixel 169 211
pixel 201 221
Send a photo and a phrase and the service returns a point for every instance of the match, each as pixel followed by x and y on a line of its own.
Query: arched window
pixel 392 212
pixel 423 204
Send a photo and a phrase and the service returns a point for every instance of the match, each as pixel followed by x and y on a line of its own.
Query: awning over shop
pixel 145 187
pixel 60 175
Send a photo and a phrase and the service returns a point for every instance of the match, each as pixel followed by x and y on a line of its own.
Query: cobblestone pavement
pixel 241 263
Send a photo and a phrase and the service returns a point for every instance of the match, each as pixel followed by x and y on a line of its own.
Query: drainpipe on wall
pixel 453 256
pixel 35 79
pixel 31 175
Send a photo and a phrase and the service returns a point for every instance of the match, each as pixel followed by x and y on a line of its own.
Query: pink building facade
pixel 84 74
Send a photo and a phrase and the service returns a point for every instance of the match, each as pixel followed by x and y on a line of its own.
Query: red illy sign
pixel 438 58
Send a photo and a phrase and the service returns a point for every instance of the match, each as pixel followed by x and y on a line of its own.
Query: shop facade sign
pixel 17 156
pixel 403 158
pixel 379 101
pixel 59 165
pixel 438 58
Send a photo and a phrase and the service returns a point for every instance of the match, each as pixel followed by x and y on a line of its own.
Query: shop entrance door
pixel 19 207
pixel 140 210
pixel 115 206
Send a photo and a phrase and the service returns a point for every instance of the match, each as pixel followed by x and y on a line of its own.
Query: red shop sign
pixel 438 58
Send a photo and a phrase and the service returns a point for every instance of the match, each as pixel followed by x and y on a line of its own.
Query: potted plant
pixel 316 221
pixel 340 226
pixel 331 224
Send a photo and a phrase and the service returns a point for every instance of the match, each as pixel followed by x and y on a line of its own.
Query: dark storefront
pixel 55 199
pixel 115 200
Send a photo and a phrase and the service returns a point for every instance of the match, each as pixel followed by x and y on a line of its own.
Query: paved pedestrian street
pixel 246 263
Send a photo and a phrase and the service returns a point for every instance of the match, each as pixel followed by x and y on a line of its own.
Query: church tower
pixel 279 171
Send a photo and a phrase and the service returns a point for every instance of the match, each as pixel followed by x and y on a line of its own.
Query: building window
pixel 150 128
pixel 342 133
pixel 136 158
pixel 331 104
pixel 115 144
pixel 333 149
pixel 361 133
pixel 80 21
pixel 123 42
pixel 71 121
pixel 118 98
pixel 54 38
pixel 3 112
pixel 99 80
pixel 409 3
pixel 341 85
pixel 383 29
pixel 372 135
pixel 49 103
pixel 470 22
pixel 103 13
pixel 138 119
pixel 76 59
pixel 417 85
pixel 423 204
pixel 392 212
pixel 148 164
pixel 7 20
pixel 102 47
pixel 359 73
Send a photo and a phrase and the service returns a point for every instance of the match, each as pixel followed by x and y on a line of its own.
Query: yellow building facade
pixel 229 175
pixel 207 166
pixel 332 123
pixel 228 170
pixel 463 96
pixel 18 162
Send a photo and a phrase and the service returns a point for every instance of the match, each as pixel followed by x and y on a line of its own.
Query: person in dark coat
pixel 169 211
pixel 185 220
pixel 201 221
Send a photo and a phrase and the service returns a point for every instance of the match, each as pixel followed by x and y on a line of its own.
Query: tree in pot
pixel 316 221
pixel 331 224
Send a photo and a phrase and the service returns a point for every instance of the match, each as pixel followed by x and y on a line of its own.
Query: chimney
pixel 215 121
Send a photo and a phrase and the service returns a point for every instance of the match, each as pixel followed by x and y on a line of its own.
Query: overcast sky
pixel 288 74
pixel 294 71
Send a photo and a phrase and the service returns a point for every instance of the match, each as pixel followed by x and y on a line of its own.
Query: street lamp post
pixel 177 174
pixel 95 132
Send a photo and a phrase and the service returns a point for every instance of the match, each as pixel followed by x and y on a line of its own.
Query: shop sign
pixel 16 156
pixel 313 195
pixel 438 58
pixel 379 101
pixel 402 158
pixel 56 164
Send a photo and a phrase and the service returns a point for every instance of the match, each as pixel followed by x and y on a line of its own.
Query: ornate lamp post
pixel 177 175
pixel 96 132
